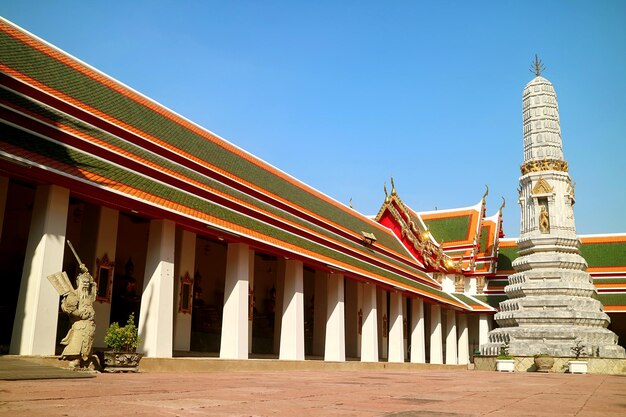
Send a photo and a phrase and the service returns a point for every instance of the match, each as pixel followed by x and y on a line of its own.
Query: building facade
pixel 214 250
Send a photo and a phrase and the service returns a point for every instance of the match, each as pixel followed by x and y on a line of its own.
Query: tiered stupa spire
pixel 552 302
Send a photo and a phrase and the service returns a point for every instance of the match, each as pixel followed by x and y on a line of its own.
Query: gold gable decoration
pixel 432 253
pixel 542 187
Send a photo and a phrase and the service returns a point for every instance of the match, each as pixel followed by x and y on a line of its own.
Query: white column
pixel 335 346
pixel 106 243
pixel 463 339
pixel 234 343
pixel 250 299
pixel 384 323
pixel 396 328
pixel 320 312
pixel 292 329
pixel 4 192
pixel 451 339
pixel 483 329
pixel 185 266
pixel 35 325
pixel 369 333
pixel 156 321
pixel 436 348
pixel 418 338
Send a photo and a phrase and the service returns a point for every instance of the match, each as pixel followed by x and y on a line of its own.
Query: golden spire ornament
pixel 537 67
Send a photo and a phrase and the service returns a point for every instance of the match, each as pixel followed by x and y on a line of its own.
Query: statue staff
pixel 81 265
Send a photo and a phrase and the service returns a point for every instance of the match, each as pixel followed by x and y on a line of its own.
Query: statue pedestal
pixel 121 361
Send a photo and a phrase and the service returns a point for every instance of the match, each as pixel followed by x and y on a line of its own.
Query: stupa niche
pixel 552 302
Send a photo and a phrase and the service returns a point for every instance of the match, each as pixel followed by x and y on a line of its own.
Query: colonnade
pixel 170 255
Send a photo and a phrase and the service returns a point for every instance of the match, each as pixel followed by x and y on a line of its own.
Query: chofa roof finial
pixel 537 67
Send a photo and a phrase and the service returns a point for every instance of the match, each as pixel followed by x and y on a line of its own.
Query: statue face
pixel 83 281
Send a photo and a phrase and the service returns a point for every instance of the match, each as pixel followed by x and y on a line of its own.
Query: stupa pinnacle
pixel 552 302
pixel 537 67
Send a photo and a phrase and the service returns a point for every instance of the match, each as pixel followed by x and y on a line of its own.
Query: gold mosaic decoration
pixel 544 165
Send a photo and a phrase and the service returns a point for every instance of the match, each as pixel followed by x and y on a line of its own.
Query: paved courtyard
pixel 319 393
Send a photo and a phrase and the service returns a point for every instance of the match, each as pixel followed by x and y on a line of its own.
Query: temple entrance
pixel 15 227
pixel 130 261
pixel 263 304
pixel 208 295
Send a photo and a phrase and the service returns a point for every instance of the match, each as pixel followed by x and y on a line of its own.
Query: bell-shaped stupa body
pixel 552 302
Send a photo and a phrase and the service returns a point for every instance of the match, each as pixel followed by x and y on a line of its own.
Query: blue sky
pixel 344 94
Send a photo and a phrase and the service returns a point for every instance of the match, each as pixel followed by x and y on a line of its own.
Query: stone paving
pixel 385 393
pixel 15 368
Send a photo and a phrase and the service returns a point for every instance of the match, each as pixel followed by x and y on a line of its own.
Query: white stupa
pixel 552 302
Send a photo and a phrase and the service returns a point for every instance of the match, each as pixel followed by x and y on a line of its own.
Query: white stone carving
pixel 552 302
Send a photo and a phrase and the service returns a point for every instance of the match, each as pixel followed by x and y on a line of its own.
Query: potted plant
pixel 577 366
pixel 123 340
pixel 504 361
pixel 543 362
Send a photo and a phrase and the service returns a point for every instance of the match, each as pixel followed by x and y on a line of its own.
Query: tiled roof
pixel 604 253
pixel 88 127
pixel 411 232
pixel 452 227
pixel 507 253
pixel 103 96
pixel 496 285
pixel 492 300
pixel 473 301
pixel 472 242
pixel 613 302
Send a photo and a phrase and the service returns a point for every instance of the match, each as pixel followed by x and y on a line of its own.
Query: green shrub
pixel 579 349
pixel 123 339
pixel 504 352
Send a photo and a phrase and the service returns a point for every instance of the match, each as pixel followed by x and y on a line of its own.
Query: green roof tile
pixel 466 299
pixel 449 229
pixel 604 254
pixel 506 256
pixel 77 158
pixel 612 299
pixel 91 92
pixel 484 234
pixel 616 280
pixel 165 163
pixel 492 300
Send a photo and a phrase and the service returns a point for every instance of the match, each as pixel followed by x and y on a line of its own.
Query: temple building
pixel 217 252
